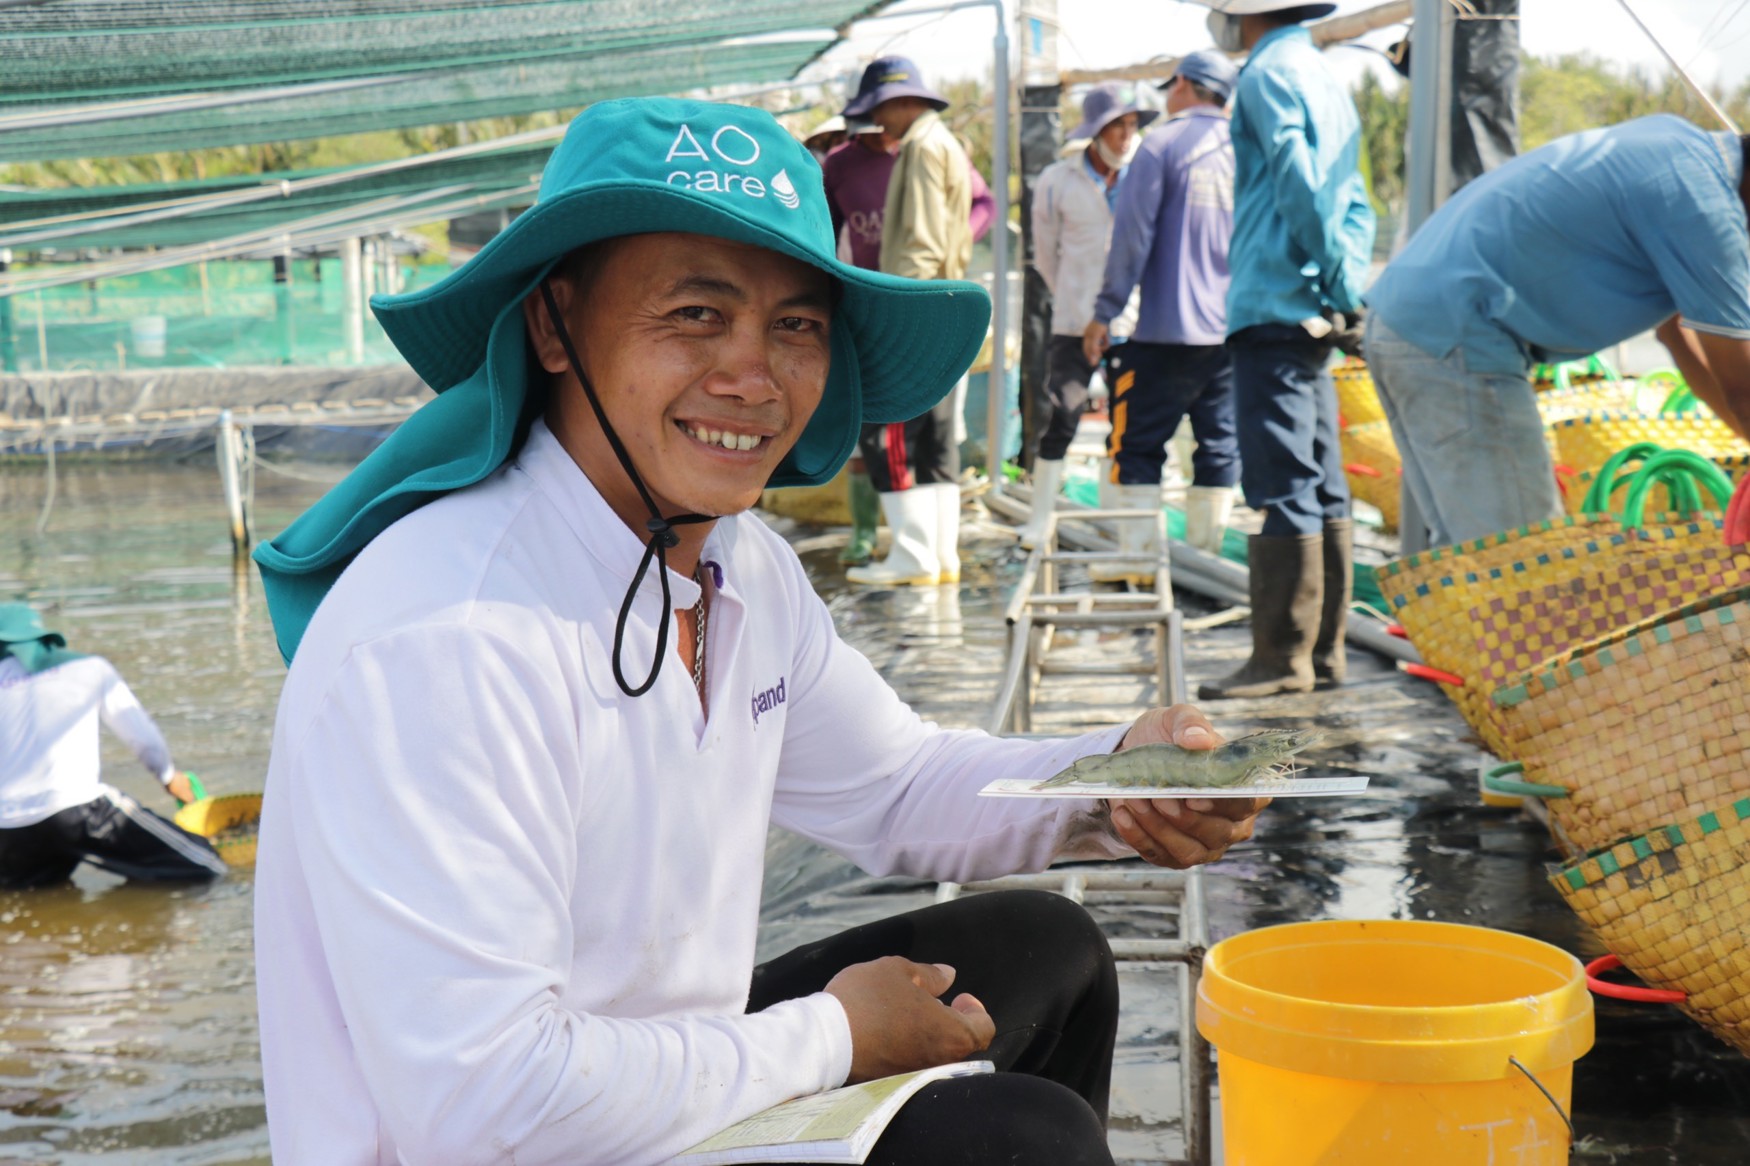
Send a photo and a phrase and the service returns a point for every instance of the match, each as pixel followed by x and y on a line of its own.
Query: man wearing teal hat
pixel 511 854
pixel 55 811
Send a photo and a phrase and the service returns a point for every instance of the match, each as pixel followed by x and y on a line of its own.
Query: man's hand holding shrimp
pixel 1181 832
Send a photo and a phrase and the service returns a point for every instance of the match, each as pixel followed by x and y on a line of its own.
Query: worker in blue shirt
pixel 1170 232
pixel 1303 237
pixel 1571 248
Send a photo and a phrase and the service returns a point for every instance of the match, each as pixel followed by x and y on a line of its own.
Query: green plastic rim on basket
pixel 1606 483
pixel 1496 781
pixel 1688 465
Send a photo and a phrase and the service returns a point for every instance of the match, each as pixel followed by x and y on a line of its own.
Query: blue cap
pixel 1106 103
pixel 887 78
pixel 1210 69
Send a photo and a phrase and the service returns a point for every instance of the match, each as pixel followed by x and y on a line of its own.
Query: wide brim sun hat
pixel 20 624
pixel 1261 7
pixel 636 166
pixel 1106 104
pixel 887 78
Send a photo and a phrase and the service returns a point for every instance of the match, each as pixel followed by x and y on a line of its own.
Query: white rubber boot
pixel 947 529
pixel 911 556
pixel 1047 479
pixel 1134 537
pixel 1206 513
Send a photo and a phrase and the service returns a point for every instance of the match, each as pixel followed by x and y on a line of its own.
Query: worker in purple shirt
pixel 1170 233
pixel 856 176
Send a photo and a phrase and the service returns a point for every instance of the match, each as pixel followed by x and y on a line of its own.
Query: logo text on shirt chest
pixel 765 702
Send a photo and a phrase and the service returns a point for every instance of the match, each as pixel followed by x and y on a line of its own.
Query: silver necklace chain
pixel 699 633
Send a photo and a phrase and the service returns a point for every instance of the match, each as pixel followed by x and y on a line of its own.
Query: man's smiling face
pixel 709 358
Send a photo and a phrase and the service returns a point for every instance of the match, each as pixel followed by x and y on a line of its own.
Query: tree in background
pixel 1558 96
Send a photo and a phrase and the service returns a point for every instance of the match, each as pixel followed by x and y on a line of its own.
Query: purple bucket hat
pixel 1105 104
pixel 887 78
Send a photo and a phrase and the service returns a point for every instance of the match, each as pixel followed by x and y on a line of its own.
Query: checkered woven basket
pixel 1374 470
pixel 1587 397
pixel 1586 442
pixel 1515 633
pixel 1357 399
pixel 1435 595
pixel 1645 726
pixel 1674 904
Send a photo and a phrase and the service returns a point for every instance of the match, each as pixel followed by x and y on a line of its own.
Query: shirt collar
pixel 1285 33
pixel 604 535
pixel 921 126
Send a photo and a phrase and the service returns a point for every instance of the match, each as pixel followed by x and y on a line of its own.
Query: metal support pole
pixel 229 449
pixel 997 394
pixel 8 343
pixel 1430 109
pixel 352 278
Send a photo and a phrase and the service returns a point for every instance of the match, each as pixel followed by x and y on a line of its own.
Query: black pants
pixel 1067 373
pixel 919 452
pixel 1044 971
pixel 1154 386
pixel 114 832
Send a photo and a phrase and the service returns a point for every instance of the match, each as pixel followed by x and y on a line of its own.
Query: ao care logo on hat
pixel 730 147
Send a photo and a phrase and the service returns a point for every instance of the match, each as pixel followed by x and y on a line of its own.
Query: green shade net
pixel 419 99
pixel 169 226
pixel 102 50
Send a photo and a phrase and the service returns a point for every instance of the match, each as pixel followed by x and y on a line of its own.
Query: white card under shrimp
pixel 1256 765
pixel 1277 787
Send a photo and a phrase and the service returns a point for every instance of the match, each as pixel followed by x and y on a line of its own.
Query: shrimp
pixel 1264 754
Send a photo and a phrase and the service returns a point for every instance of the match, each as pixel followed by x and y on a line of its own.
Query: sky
pixel 1710 38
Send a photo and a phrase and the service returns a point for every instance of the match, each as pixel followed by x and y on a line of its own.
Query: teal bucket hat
pixel 23 637
pixel 630 167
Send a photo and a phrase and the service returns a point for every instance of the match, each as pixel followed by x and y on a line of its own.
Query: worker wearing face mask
pixel 1303 236
pixel 1072 228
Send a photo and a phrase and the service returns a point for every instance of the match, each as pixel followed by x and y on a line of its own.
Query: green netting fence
pixel 228 72
pixel 216 315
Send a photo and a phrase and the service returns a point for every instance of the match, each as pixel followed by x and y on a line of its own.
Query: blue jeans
pixel 1472 443
pixel 1154 386
pixel 1291 466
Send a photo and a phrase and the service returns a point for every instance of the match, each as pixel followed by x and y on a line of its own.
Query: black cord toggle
pixel 662 535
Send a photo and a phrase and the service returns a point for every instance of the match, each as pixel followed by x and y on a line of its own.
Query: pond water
pixel 127 1015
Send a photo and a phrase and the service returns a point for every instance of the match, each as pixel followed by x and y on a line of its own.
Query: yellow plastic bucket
pixel 1393 1042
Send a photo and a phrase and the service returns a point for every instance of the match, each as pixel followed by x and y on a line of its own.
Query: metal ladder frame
pixel 1037 608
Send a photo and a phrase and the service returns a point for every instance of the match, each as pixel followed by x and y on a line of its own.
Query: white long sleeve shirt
pixel 1072 229
pixel 505 913
pixel 49 756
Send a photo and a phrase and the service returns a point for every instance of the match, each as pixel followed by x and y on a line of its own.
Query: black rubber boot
pixel 1287 586
pixel 1329 661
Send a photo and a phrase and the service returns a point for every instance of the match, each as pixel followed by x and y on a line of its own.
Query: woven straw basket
pixel 1589 397
pixel 1588 441
pixel 1646 726
pixel 1357 399
pixel 1674 904
pixel 1374 470
pixel 1514 634
pixel 1433 595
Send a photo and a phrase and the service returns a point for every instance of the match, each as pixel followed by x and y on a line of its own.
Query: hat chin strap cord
pixel 662 535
